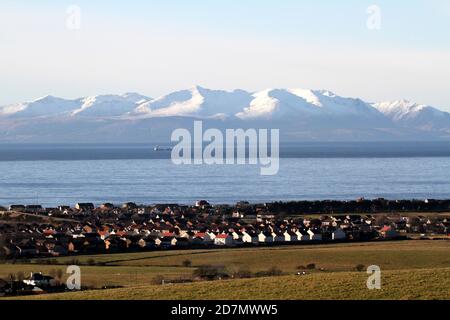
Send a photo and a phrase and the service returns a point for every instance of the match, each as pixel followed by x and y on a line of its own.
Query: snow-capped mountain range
pixel 300 114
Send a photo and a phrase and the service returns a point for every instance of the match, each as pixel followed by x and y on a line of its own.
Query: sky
pixel 374 50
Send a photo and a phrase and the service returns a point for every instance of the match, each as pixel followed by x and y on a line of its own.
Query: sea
pixel 58 174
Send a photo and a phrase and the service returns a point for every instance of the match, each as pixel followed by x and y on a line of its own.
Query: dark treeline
pixel 359 206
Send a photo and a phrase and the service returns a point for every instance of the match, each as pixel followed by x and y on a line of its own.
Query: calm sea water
pixel 54 175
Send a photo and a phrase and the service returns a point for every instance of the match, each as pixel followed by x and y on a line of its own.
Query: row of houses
pixel 94 243
pixel 113 238
pixel 251 237
pixel 131 227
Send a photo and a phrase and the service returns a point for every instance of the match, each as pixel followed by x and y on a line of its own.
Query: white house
pixel 265 237
pixel 315 235
pixel 237 235
pixel 211 235
pixel 39 280
pixel 290 236
pixel 223 240
pixel 250 238
pixel 302 235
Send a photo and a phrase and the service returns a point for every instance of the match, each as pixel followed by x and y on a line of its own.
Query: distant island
pixel 300 114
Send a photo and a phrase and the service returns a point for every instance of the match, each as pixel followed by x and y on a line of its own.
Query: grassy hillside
pixel 340 257
pixel 411 269
pixel 405 284
pixel 98 277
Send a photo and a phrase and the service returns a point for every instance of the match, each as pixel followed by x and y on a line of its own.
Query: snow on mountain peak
pixel 296 104
pixel 196 101
pixel 299 112
pixel 108 105
pixel 135 97
pixel 12 109
pixel 398 110
pixel 262 105
pixel 47 98
pixel 41 107
pixel 415 115
pixel 308 95
pixel 179 103
pixel 278 103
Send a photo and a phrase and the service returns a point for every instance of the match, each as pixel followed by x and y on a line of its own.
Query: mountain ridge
pixel 299 113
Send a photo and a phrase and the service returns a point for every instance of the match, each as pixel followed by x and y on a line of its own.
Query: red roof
pixel 200 235
pixel 167 234
pixel 222 236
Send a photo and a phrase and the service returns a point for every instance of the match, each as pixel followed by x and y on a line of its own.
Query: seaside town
pixel 33 231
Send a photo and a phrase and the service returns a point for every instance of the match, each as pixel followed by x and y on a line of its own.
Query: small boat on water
pixel 162 148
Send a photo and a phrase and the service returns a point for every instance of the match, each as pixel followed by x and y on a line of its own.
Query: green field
pixel 417 284
pixel 410 269
pixel 98 277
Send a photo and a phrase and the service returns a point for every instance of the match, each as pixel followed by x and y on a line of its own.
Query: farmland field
pixel 410 270
pixel 404 284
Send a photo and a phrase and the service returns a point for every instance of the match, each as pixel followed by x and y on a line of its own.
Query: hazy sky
pixel 155 47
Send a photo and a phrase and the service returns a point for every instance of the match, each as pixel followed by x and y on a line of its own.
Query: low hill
pixel 396 285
